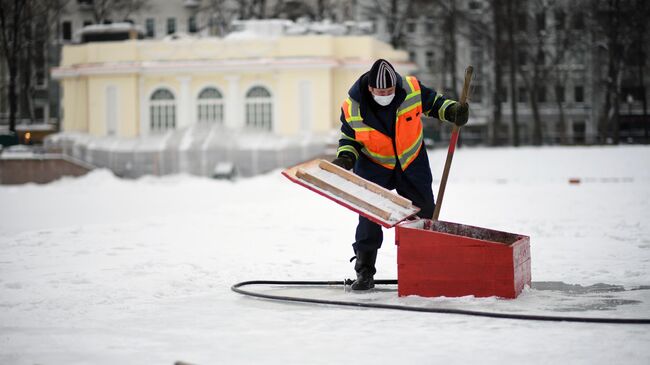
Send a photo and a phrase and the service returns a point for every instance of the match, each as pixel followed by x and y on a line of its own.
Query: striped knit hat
pixel 382 75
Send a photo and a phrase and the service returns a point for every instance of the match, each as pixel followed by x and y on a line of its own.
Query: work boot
pixel 365 268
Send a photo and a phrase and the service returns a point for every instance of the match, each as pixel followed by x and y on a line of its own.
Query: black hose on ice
pixel 237 288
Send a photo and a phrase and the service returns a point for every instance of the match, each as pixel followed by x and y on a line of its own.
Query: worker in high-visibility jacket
pixel 381 138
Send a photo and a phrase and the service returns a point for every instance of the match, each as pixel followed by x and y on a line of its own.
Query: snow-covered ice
pixel 99 270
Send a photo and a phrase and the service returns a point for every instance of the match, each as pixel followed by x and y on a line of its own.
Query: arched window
pixel 210 106
pixel 259 108
pixel 162 111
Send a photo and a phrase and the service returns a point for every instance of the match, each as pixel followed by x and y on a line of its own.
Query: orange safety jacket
pixel 377 146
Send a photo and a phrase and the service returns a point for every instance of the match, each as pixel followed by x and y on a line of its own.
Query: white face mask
pixel 383 100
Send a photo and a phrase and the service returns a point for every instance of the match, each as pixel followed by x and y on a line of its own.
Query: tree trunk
pixel 562 122
pixel 12 61
pixel 262 9
pixel 615 51
pixel 534 105
pixel 101 10
pixel 616 61
pixel 392 24
pixel 513 75
pixel 27 68
pixel 645 119
pixel 616 122
pixel 537 120
pixel 603 123
pixel 498 55
pixel 13 97
pixel 320 9
pixel 26 88
pixel 453 49
pixel 642 62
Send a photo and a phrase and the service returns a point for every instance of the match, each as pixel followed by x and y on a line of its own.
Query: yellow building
pixel 239 91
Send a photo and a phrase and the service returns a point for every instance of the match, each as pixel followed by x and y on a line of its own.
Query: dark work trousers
pixel 413 184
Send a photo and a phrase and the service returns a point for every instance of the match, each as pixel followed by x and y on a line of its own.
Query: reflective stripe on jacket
pixel 408 129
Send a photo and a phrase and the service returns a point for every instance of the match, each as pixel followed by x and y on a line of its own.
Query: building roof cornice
pixel 210 66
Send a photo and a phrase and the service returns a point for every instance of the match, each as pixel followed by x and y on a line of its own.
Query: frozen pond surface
pixel 98 270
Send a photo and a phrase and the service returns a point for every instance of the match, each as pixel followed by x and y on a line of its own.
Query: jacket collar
pixel 359 93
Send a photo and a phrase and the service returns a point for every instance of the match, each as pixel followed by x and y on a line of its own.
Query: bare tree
pixel 251 9
pixel 326 9
pixel 321 9
pixel 615 34
pixel 395 14
pixel 130 7
pixel 26 28
pixel 261 9
pixel 104 10
pixel 458 24
pixel 566 42
pixel 544 50
pixel 12 15
pixel 293 9
pixel 451 15
pixel 640 23
pixel 220 16
pixel 26 87
pixel 626 59
pixel 498 58
pixel 512 66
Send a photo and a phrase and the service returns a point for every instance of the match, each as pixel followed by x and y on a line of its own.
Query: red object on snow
pixel 434 258
pixel 437 258
pixel 353 192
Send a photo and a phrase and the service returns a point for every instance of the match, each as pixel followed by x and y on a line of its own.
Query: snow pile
pixel 269 28
pixel 100 270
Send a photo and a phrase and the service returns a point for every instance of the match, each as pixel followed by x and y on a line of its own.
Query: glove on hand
pixel 344 160
pixel 457 113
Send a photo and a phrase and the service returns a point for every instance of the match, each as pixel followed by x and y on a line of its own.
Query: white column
pixel 184 103
pixel 144 108
pixel 306 122
pixel 234 104
pixel 112 110
pixel 276 96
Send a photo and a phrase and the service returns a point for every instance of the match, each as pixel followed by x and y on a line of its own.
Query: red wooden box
pixel 436 258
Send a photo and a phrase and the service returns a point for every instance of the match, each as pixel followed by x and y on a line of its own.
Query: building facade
pixel 254 101
pixel 563 44
pixel 39 97
pixel 571 107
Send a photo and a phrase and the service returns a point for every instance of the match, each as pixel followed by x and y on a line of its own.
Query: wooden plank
pixel 356 179
pixel 309 165
pixel 306 176
pixel 398 213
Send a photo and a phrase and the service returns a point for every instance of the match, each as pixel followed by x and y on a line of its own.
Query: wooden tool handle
pixel 468 78
pixel 452 145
